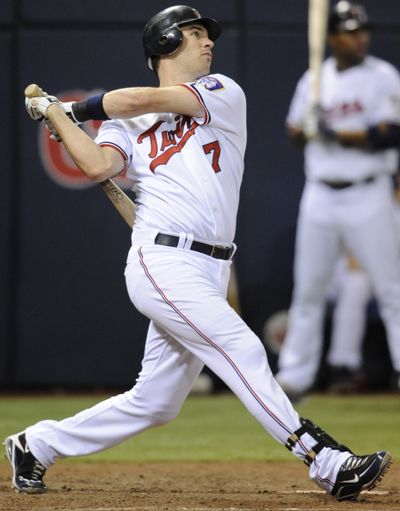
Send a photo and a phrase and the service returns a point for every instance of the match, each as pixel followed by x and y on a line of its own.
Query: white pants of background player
pixel 351 294
pixel 183 293
pixel 361 217
pixel 349 291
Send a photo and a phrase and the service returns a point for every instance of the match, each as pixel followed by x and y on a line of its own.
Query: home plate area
pixel 200 486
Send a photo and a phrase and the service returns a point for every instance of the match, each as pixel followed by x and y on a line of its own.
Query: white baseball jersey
pixel 353 99
pixel 168 154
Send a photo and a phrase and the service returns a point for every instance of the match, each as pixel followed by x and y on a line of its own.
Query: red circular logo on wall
pixel 57 162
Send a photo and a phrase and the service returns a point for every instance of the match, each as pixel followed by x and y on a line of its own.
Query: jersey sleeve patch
pixel 210 83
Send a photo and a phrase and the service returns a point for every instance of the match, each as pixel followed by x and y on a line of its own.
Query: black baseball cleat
pixel 360 473
pixel 28 472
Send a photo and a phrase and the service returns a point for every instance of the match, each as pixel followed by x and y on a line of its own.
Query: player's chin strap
pixel 322 439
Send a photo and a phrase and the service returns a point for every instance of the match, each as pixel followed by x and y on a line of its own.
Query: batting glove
pixel 37 107
pixel 325 132
pixel 311 121
pixel 67 107
pixel 316 126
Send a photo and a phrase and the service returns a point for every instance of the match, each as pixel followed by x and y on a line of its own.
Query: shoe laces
pixel 354 462
pixel 38 471
pixel 31 468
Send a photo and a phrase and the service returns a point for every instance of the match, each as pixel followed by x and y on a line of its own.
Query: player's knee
pixel 309 298
pixel 163 415
pixel 255 353
pixel 307 310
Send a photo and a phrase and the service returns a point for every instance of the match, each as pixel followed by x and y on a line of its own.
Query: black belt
pixel 340 185
pixel 216 251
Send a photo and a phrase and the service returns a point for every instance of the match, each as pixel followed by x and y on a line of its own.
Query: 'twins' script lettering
pixel 172 141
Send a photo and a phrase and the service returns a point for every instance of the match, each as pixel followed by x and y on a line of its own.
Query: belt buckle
pixel 215 248
pixel 221 247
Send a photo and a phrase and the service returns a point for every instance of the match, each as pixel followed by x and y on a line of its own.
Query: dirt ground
pixel 238 486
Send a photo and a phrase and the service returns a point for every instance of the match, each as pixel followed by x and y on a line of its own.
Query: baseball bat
pixel 122 203
pixel 317 26
pixel 233 291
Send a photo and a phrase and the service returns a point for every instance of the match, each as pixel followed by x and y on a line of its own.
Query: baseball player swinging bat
pixel 127 208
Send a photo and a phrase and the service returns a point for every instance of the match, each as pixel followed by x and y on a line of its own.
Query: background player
pixel 183 146
pixel 348 197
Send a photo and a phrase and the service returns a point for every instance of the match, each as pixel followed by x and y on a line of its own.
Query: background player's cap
pixel 346 17
pixel 162 35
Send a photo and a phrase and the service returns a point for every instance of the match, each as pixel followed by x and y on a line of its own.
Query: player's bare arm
pixel 381 136
pixel 98 163
pixel 132 102
pixel 296 134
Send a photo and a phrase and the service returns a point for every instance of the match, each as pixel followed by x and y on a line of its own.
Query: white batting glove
pixel 37 107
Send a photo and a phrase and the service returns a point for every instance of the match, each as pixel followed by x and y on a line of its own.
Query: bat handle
pixel 33 91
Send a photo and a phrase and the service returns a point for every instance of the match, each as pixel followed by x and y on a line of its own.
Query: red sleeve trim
pixel 195 92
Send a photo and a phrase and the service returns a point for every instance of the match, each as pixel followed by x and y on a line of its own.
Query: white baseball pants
pixel 361 218
pixel 183 293
pixel 349 320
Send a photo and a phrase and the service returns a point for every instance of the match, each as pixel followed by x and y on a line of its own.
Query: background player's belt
pixel 216 251
pixel 339 185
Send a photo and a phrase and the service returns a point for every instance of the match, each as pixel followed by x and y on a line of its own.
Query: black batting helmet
pixel 162 35
pixel 346 17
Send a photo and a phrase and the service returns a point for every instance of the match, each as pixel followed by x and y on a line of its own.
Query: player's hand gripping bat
pixel 317 26
pixel 123 204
